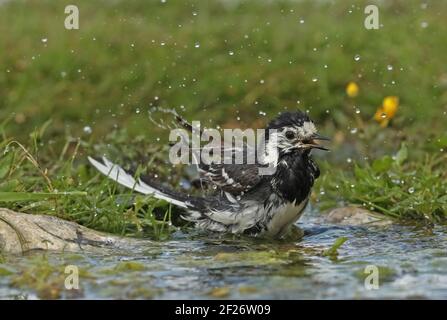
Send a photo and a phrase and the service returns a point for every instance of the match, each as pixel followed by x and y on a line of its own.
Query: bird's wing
pixel 232 178
pixel 236 172
pixel 229 176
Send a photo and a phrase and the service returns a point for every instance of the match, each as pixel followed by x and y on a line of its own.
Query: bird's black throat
pixel 294 176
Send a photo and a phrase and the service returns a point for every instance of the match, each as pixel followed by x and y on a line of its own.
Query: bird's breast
pixel 283 216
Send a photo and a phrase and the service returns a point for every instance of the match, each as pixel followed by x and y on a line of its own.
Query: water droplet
pixel 87 130
pixel 424 24
pixel 411 190
pixel 262 113
pixel 348 160
pixel 137 110
pixel 314 79
pixel 197 45
pixel 353 130
pixel 63 74
pixel 261 81
pixel 231 53
pixel 301 21
pixel 383 115
pixel 389 67
pixel 357 111
pixel 44 40
pixel 357 57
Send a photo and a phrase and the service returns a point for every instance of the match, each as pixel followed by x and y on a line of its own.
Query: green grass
pixel 107 79
pixel 37 180
pixel 393 186
pixel 215 62
pixel 332 252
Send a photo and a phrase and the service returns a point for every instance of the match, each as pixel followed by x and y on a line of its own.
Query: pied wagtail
pixel 244 201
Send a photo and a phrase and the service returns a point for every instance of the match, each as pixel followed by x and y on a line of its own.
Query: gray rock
pixel 20 232
pixel 356 216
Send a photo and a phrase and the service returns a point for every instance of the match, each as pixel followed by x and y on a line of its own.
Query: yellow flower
pixel 352 89
pixel 387 111
pixel 390 105
pixel 381 118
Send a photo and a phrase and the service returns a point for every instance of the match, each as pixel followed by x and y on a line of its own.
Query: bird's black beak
pixel 312 143
pixel 317 136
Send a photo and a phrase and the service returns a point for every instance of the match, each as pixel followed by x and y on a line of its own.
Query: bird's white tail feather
pixel 118 174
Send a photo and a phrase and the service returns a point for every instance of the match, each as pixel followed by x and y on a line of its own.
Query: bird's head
pixel 295 131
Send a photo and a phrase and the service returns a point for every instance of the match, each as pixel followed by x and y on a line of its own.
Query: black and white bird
pixel 245 201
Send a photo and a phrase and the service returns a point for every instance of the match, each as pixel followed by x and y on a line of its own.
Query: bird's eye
pixel 290 135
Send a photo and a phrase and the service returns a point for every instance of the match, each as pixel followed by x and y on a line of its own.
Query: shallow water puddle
pixel 412 263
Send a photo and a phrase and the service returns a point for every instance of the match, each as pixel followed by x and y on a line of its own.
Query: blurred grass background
pixel 222 62
pixel 218 58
